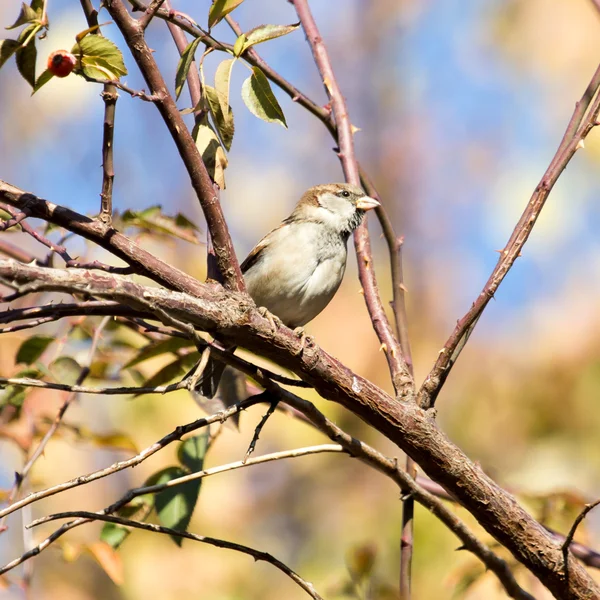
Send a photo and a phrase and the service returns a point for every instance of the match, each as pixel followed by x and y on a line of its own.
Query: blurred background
pixel 461 107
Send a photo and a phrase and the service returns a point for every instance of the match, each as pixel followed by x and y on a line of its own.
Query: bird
pixel 295 270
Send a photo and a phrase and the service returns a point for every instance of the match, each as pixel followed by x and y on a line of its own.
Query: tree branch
pixel 174 436
pixel 235 319
pixel 84 516
pixel 576 132
pixel 103 235
pixel 400 374
pixel 207 194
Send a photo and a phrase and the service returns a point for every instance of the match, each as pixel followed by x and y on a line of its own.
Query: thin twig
pixel 58 311
pixel 84 516
pixel 81 389
pixel 20 477
pixel 193 76
pixel 401 378
pixel 109 96
pixel 569 538
pixel 16 219
pixel 16 252
pixel 400 371
pixel 149 13
pixel 259 429
pixel 198 475
pixel 576 132
pixel 173 436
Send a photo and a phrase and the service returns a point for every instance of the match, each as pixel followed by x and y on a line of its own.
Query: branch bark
pixel 414 430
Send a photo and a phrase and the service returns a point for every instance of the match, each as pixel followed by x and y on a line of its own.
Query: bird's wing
pixel 257 251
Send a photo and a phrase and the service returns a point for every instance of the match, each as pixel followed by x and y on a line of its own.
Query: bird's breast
pixel 298 273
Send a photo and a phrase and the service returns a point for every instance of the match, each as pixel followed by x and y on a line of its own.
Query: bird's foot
pixel 274 321
pixel 304 339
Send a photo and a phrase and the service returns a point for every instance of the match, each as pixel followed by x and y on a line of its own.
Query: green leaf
pixel 174 370
pixel 238 47
pixel 175 505
pixel 139 509
pixel 219 9
pixel 152 220
pixel 183 66
pixel 211 150
pixel 114 535
pixel 7 49
pixel 42 80
pixel 192 451
pixel 27 15
pixel 65 369
pixel 264 33
pixel 38 6
pixel 32 348
pixel 26 55
pixel 223 121
pixel 170 345
pixel 99 58
pixel 14 395
pixel 259 98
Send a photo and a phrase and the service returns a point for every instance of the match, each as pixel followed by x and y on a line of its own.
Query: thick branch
pixel 104 235
pixel 234 318
pixel 133 33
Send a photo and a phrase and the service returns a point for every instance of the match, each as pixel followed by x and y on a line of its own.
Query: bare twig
pixel 569 538
pixel 259 429
pixel 401 378
pixel 109 96
pixel 149 13
pixel 258 460
pixel 175 435
pixel 59 311
pixel 201 182
pixel 83 516
pixel 576 132
pixel 16 219
pixel 15 252
pixel 193 76
pixel 81 389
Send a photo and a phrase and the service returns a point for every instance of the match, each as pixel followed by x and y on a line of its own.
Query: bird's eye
pixel 345 194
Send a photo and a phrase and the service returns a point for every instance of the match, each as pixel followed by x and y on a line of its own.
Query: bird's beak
pixel 367 203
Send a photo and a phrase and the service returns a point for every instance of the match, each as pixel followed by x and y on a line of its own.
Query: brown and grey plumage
pixel 297 268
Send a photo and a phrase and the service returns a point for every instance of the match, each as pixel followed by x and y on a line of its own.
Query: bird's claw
pixel 274 321
pixel 304 339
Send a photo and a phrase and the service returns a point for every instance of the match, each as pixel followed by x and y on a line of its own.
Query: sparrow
pixel 295 270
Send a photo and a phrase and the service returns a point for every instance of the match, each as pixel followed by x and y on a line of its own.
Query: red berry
pixel 61 63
